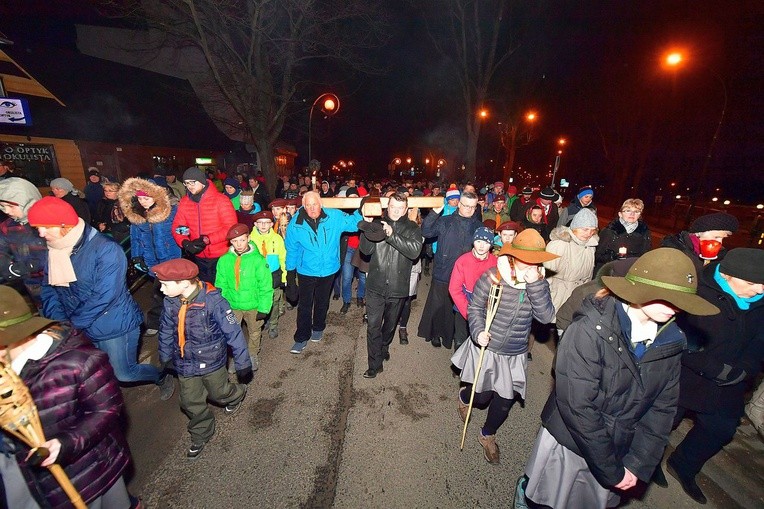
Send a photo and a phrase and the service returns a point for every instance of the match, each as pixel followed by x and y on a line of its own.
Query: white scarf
pixel 60 268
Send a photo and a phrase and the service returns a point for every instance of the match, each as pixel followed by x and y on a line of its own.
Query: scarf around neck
pixel 60 268
pixel 629 227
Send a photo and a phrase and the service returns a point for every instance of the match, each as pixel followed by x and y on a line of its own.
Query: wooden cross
pixel 422 202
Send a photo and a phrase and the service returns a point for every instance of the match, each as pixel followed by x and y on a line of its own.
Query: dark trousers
pixel 383 315
pixel 498 408
pixel 709 434
pixel 438 315
pixel 403 321
pixel 208 268
pixel 313 303
pixel 461 330
pixel 154 314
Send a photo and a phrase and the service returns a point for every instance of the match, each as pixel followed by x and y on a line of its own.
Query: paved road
pixel 314 433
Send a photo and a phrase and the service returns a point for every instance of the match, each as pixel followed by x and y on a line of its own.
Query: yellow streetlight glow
pixel 427 161
pixel 678 196
pixel 531 116
pixel 674 58
pixel 727 202
pixel 441 162
pixel 329 104
pixel 562 141
pixel 760 206
pixel 483 113
pixel 408 160
pixel 714 199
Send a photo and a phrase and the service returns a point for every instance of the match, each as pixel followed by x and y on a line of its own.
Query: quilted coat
pixel 150 230
pixel 80 403
pixel 210 214
pixel 245 280
pixel 574 266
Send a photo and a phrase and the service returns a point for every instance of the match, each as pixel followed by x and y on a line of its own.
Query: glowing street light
pixel 483 113
pixel 674 58
pixel 408 160
pixel 330 105
pixel 397 161
pixel 530 116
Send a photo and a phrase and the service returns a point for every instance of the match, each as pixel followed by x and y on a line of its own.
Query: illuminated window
pixel 281 160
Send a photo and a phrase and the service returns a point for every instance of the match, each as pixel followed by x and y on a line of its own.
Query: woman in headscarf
pixel 109 218
pixel 525 297
pixel 609 417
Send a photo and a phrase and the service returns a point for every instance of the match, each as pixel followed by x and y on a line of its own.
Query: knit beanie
pixel 744 263
pixel 584 191
pixel 547 193
pixel 246 198
pixel 62 183
pixel 716 221
pixel 452 193
pixel 51 211
pixel 483 233
pixel 19 191
pixel 194 173
pixel 584 218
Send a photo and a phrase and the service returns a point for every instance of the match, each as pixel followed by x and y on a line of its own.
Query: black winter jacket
pixel 454 234
pixel 683 242
pixel 391 259
pixel 725 354
pixel 607 407
pixel 614 236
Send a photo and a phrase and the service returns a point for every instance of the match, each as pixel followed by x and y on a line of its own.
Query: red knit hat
pixel 51 211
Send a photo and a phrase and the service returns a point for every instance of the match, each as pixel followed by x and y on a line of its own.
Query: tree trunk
pixel 265 150
pixel 473 132
pixel 511 146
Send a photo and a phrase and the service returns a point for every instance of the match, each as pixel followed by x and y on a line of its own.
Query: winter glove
pixel 262 316
pixel 193 247
pixel 244 375
pixel 291 291
pixel 20 269
pixel 139 263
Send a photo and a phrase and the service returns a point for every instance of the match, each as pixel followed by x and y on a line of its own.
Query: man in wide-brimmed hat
pixel 609 417
pixel 723 359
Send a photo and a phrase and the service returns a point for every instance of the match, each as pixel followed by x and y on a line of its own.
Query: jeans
pixel 123 356
pixel 348 271
pixel 312 306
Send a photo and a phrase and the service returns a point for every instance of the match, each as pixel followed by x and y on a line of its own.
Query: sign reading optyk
pixel 14 111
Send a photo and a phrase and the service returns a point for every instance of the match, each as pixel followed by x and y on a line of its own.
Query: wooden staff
pixel 494 297
pixel 18 416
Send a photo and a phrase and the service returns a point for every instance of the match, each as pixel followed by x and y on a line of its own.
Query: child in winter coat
pixel 271 246
pixel 197 327
pixel 245 281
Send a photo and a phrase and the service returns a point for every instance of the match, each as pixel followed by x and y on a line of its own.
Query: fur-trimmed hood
pixel 133 210
pixel 565 234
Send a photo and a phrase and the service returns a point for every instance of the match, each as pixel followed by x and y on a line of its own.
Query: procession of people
pixel 639 347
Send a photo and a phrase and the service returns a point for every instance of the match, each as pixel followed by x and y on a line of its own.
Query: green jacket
pixel 254 290
pixel 275 252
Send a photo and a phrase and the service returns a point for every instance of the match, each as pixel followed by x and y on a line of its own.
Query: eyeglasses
pixel 471 207
pixel 635 212
pixel 189 182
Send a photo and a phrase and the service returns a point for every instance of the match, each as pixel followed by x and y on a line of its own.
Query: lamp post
pixel 330 105
pixel 561 143
pixel 674 60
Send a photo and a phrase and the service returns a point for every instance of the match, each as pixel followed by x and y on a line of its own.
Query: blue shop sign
pixel 14 111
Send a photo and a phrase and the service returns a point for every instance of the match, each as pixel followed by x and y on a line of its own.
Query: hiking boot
pixel 403 335
pixel 490 448
pixel 166 387
pixel 194 450
pixel 273 333
pixel 463 407
pixel 232 408
pixel 317 336
pixel 360 302
pixel 298 347
pixel 345 307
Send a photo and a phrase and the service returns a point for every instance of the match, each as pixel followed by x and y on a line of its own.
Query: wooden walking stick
pixel 492 306
pixel 18 416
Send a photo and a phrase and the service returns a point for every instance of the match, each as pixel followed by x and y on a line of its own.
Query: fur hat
pixel 51 211
pixel 584 218
pixel 744 263
pixel 529 247
pixel 717 221
pixel 665 274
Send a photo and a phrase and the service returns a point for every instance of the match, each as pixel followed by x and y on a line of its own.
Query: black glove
pixel 291 291
pixel 193 247
pixel 139 263
pixel 262 316
pixel 244 375
pixel 20 269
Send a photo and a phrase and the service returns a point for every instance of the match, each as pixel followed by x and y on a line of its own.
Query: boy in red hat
pixel 244 280
pixel 197 327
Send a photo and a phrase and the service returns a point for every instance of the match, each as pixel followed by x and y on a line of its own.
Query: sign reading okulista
pixel 23 152
pixel 36 163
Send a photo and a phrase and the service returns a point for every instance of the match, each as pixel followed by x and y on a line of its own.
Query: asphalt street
pixel 314 433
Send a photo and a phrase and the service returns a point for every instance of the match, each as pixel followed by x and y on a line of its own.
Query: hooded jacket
pixel 608 407
pixel 725 353
pixel 245 280
pixel 210 214
pixel 79 403
pixel 150 230
pixel 23 253
pixel 99 302
pixel 574 266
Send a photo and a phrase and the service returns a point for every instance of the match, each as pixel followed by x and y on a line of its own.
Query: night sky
pixel 590 70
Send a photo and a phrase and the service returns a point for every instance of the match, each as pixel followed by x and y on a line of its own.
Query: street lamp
pixel 330 105
pixel 561 143
pixel 673 60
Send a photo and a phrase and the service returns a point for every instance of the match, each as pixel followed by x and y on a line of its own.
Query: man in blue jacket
pixel 84 283
pixel 313 253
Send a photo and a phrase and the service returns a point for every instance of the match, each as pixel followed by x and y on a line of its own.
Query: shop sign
pixel 14 111
pixel 36 163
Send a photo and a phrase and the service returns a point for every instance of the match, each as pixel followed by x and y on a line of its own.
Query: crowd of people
pixel 645 335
